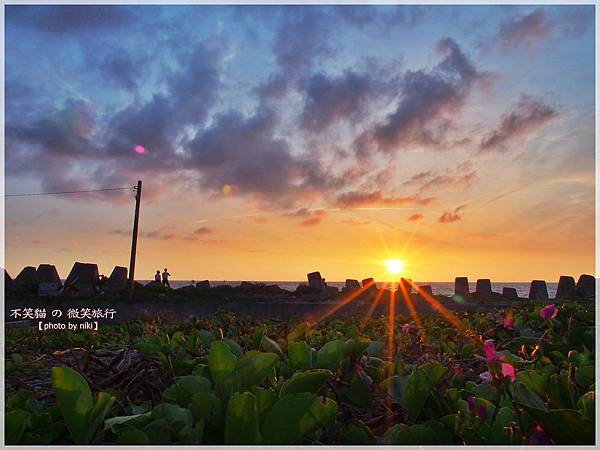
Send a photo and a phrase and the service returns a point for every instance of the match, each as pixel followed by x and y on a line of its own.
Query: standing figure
pixel 165 278
pixel 157 276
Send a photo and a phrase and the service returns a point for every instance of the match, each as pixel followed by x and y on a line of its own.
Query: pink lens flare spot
pixel 139 149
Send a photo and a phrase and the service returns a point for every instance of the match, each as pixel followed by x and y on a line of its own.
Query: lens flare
pixel 139 149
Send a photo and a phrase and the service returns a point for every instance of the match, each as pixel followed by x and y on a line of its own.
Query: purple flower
pixel 482 412
pixel 486 377
pixel 406 328
pixel 549 312
pixel 539 437
pixel 471 403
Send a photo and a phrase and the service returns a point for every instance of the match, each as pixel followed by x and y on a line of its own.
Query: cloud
pixel 154 234
pixel 302 36
pixel 70 18
pixel 203 231
pixel 527 32
pixel 524 32
pixel 527 116
pixel 415 217
pixel 428 100
pixel 461 175
pixel 244 152
pixel 310 217
pixel 357 199
pixel 122 68
pixel 451 216
pixel 346 97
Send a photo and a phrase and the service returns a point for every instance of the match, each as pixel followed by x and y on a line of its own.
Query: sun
pixel 394 266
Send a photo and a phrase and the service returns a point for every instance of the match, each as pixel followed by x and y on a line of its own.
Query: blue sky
pixel 302 119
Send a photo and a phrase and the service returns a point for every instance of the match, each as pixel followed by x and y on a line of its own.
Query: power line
pixel 70 192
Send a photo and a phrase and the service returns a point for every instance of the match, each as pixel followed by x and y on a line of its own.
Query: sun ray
pixel 342 303
pixel 437 306
pixel 374 304
pixel 410 305
pixel 391 324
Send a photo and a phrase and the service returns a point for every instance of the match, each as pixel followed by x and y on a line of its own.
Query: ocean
pixel 438 287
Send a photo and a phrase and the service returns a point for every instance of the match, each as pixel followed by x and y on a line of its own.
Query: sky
pixel 273 141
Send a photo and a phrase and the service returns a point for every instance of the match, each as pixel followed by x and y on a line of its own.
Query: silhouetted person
pixel 165 278
pixel 157 276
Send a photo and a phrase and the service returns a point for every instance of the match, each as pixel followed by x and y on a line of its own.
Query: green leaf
pixel 419 386
pixel 299 355
pixel 584 376
pixel 119 423
pixel 269 345
pixel 534 380
pixel 586 404
pixel 330 355
pixel 564 426
pixel 221 362
pixel 395 387
pixel 374 348
pixel 133 436
pixel 356 347
pixel 185 387
pixel 179 420
pixel 401 434
pixel 499 433
pixel 74 400
pixel 234 347
pixel 242 423
pixel 309 381
pixel 265 399
pixel 254 367
pixel 98 412
pixel 15 423
pixel 294 416
pixel 356 433
pixel 206 337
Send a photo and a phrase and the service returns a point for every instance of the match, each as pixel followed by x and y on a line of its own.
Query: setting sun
pixel 394 266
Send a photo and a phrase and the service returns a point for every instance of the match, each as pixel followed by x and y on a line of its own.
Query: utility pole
pixel 136 219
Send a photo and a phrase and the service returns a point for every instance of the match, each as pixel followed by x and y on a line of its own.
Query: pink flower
pixel 406 328
pixel 507 322
pixel 490 351
pixel 539 437
pixel 549 312
pixel 486 377
pixel 492 358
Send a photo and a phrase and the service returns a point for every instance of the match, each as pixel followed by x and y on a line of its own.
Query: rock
pixel 426 288
pixel 203 285
pixel 187 290
pixel 27 279
pixel 47 273
pixel 405 283
pixel 586 286
pixel 49 289
pixel 246 286
pixel 538 292
pixel 461 286
pixel 369 283
pixel 155 285
pixel 566 287
pixel 510 293
pixel 118 278
pixel 352 285
pixel 8 281
pixel 483 287
pixel 316 281
pixel 83 280
pixel 331 290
